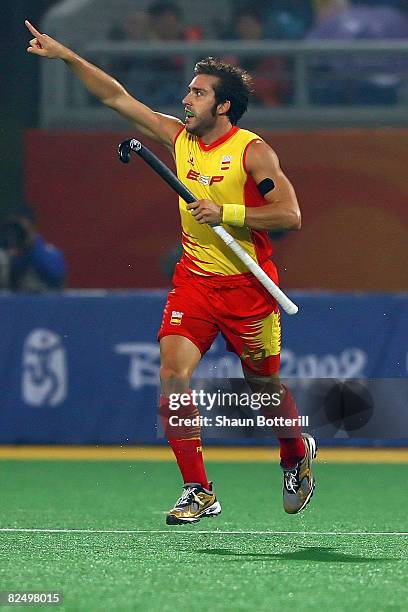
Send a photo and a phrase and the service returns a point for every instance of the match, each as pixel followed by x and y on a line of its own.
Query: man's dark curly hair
pixel 234 84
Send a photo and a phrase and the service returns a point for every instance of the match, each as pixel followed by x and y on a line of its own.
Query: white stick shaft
pixel 288 306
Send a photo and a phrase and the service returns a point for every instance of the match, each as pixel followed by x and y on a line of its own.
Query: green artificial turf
pixel 182 569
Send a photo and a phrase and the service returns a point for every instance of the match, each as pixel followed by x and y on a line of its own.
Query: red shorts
pixel 237 306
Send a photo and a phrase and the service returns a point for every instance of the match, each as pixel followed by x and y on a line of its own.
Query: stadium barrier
pixel 82 367
pixel 65 103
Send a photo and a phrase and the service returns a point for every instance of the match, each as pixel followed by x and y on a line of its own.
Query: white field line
pixel 201 532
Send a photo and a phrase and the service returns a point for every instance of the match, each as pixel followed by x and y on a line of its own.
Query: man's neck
pixel 216 132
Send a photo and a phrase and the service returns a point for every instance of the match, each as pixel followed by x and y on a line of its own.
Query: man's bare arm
pixel 282 209
pixel 162 128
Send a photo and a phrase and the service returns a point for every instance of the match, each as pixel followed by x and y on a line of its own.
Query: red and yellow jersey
pixel 217 172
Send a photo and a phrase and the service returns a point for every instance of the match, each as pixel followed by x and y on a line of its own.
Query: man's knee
pixel 172 373
pixel 175 378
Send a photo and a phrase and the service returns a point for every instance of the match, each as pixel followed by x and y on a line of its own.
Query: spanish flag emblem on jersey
pixel 226 162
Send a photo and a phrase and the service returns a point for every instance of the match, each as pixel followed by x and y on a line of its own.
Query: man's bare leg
pixel 290 438
pixel 297 450
pixel 179 358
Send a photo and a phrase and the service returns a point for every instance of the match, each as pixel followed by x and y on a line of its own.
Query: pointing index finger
pixel 32 29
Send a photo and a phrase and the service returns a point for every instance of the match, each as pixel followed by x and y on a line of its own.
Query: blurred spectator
pixel 27 262
pixel 324 9
pixel 166 21
pixel 158 80
pixel 247 24
pixel 360 78
pixel 288 19
pixel 270 74
pixel 136 27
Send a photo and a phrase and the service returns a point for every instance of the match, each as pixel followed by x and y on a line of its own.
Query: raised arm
pixel 162 128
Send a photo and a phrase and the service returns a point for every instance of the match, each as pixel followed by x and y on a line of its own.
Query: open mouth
pixel 189 114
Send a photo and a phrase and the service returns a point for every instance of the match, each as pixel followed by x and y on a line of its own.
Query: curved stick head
pixel 135 145
pixel 124 151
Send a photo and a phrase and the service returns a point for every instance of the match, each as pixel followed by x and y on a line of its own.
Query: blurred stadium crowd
pixel 339 80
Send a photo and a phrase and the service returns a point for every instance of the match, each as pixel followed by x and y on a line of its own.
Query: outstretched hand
pixel 44 45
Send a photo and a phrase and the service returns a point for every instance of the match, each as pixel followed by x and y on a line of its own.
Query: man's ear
pixel 222 109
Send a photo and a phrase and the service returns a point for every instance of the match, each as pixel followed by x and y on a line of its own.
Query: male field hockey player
pixel 237 180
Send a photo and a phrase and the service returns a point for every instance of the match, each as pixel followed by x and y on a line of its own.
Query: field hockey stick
pixel 135 146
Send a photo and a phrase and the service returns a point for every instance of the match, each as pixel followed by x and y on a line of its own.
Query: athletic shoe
pixel 194 504
pixel 298 482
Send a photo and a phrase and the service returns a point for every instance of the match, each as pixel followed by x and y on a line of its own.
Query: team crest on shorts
pixel 176 317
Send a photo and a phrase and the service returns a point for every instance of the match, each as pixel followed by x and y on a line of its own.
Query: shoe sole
pixel 312 448
pixel 213 511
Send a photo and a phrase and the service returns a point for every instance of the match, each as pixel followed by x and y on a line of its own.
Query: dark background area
pixel 18 94
pixel 354 205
